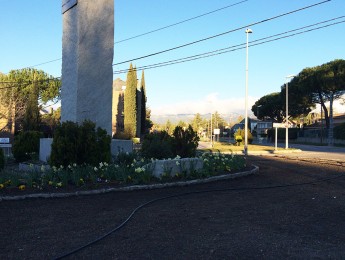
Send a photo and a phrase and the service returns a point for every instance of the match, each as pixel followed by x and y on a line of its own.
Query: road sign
pixel 279 125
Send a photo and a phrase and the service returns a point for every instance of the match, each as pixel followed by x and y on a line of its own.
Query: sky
pixel 32 34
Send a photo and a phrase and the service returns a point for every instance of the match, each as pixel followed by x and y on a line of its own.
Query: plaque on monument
pixel 68 4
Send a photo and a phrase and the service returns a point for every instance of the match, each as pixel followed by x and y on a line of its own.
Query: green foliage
pixel 185 142
pixel 80 144
pixel 2 159
pixel 32 117
pixel 21 93
pixel 130 103
pixel 241 132
pixel 157 145
pixel 215 163
pixel 125 159
pixel 270 107
pixel 238 139
pixel 339 131
pixel 143 104
pixel 26 146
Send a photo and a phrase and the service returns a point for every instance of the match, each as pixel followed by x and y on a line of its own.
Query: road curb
pixel 131 188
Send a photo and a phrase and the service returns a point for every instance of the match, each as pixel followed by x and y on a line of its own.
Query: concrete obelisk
pixel 87 56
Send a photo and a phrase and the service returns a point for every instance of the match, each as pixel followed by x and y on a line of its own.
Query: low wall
pixel 174 166
pixel 118 145
pixel 45 149
pixel 318 140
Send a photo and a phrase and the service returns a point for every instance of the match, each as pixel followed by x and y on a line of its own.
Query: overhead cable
pixel 221 34
pixel 237 47
pixel 184 21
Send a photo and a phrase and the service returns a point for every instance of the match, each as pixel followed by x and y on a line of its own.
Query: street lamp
pixel 257 111
pixel 257 117
pixel 248 31
pixel 287 111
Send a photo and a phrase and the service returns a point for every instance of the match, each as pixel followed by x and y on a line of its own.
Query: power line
pixel 237 47
pixel 224 33
pixel 184 21
pixel 156 30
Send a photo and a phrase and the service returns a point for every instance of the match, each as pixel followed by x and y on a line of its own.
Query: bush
pixel 2 159
pixel 238 139
pixel 161 145
pixel 185 142
pixel 241 132
pixel 26 146
pixel 339 131
pixel 157 145
pixel 80 144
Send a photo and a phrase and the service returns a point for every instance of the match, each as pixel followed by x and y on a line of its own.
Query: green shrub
pixel 26 146
pixel 339 131
pixel 80 144
pixel 241 132
pixel 238 139
pixel 157 145
pixel 2 159
pixel 185 142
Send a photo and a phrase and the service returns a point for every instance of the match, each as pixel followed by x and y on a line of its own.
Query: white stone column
pixel 87 56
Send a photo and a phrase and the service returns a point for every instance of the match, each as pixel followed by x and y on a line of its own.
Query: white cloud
pixel 211 103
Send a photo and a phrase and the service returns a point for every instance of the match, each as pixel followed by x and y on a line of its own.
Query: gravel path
pixel 253 219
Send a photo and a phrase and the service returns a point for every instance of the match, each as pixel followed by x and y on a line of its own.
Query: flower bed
pixel 129 170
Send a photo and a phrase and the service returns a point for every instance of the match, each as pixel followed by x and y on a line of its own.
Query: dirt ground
pixel 270 215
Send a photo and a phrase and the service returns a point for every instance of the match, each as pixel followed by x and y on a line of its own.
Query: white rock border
pixel 132 188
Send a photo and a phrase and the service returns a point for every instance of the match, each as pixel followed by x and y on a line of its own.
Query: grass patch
pixel 226 147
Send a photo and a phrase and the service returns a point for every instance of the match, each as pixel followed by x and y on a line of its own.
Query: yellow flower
pixel 2 186
pixel 50 183
pixel 21 187
pixel 59 184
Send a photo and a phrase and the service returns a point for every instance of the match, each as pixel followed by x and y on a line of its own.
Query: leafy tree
pixel 198 124
pixel 130 100
pixel 169 127
pixel 271 107
pixel 321 84
pixel 21 94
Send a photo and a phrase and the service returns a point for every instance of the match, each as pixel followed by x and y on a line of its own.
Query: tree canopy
pixel 22 93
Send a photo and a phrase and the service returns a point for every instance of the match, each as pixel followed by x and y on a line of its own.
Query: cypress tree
pixel 130 100
pixel 143 103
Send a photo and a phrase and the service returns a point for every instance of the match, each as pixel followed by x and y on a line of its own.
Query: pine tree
pixel 143 103
pixel 130 100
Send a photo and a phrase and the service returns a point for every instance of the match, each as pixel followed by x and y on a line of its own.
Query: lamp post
pixel 248 31
pixel 257 124
pixel 287 111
